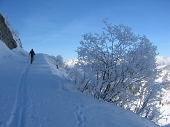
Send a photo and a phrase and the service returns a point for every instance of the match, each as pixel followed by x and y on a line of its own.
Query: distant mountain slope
pixel 161 60
pixel 164 67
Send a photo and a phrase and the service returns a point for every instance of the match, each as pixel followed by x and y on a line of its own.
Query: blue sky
pixel 55 27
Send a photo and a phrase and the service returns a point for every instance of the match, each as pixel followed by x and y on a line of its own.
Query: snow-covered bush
pixel 119 67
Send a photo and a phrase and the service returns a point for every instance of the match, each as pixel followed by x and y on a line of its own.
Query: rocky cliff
pixel 6 35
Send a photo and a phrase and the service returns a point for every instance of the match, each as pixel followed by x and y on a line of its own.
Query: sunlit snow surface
pixel 36 95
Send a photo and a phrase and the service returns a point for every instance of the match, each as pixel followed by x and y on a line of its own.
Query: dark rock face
pixel 6 35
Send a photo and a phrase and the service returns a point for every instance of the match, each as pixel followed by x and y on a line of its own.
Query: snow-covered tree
pixel 118 66
pixel 58 60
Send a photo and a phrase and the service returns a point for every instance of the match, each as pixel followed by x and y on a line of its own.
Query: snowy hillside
pixel 164 67
pixel 161 60
pixel 32 96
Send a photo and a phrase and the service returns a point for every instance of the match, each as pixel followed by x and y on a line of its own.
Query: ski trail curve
pixel 17 118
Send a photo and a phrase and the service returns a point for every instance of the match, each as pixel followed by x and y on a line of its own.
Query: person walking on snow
pixel 32 53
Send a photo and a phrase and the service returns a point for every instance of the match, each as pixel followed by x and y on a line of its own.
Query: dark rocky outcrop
pixel 6 35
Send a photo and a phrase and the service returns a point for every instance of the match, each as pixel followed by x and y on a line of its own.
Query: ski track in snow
pixel 17 118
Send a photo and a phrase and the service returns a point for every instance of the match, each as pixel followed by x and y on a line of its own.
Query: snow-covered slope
pixel 164 67
pixel 32 96
pixel 161 60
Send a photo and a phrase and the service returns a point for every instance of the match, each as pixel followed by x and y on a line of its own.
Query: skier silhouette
pixel 32 53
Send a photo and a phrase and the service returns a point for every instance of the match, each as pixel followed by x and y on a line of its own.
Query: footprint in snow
pixel 79 115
